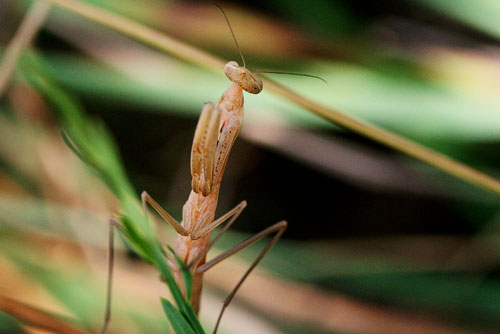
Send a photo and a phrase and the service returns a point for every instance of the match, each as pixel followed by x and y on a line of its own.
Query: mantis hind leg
pixel 277 228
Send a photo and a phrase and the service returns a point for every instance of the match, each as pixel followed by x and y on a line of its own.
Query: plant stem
pixel 194 55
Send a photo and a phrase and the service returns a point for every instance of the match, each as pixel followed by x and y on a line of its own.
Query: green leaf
pixel 177 321
pixel 9 324
pixel 480 14
pixel 92 141
pixel 187 277
pixel 185 308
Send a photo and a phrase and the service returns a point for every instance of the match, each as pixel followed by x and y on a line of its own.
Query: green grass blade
pixel 185 308
pixel 179 324
pixel 93 142
pixel 187 277
pixel 480 14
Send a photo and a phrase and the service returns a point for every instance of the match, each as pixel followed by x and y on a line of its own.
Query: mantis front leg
pixel 146 198
pixel 203 152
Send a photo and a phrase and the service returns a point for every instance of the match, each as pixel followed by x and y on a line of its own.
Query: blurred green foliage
pixel 419 95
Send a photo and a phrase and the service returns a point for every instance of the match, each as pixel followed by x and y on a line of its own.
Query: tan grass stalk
pixel 35 317
pixel 194 55
pixel 33 20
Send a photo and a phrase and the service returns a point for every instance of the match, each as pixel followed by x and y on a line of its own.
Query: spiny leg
pixel 111 261
pixel 277 228
pixel 203 149
pixel 233 214
pixel 200 137
pixel 228 133
pixel 146 198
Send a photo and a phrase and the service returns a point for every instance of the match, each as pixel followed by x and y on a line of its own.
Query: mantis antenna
pixel 243 59
pixel 298 74
pixel 232 33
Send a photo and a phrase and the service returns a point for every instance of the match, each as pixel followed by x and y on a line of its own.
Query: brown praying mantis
pixel 214 136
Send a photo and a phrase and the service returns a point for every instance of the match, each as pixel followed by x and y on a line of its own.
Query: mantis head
pixel 243 77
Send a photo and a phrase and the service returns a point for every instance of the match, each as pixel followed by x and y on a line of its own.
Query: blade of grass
pixel 184 51
pixel 179 324
pixel 185 308
pixel 187 277
pixel 95 145
pixel 480 14
pixel 34 19
pixel 36 317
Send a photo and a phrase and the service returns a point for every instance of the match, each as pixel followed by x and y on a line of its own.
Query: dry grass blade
pixel 32 22
pixel 172 46
pixel 35 317
pixel 392 140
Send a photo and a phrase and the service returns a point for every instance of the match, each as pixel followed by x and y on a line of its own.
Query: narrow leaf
pixel 187 277
pixel 185 308
pixel 177 321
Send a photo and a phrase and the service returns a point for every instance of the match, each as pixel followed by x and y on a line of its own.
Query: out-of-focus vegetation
pixel 377 242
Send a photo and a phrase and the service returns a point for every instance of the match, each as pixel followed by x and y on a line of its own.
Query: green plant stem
pixel 194 55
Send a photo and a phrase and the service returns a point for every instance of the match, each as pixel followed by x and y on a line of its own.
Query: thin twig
pixel 184 51
pixel 33 20
pixel 35 317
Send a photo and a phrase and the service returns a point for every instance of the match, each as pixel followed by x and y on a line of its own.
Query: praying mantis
pixel 216 131
pixel 214 136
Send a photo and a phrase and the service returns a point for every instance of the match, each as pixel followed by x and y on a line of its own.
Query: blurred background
pixel 377 242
